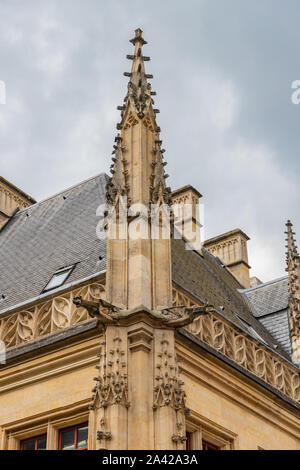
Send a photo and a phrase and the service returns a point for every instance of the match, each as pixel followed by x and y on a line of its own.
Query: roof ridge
pixel 264 284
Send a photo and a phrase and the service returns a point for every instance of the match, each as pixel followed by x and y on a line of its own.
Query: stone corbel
pixel 179 438
pixel 104 435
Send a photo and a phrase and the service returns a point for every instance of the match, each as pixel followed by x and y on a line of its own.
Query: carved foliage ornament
pixel 139 93
pixel 159 191
pixel 168 390
pixel 111 383
pixel 117 186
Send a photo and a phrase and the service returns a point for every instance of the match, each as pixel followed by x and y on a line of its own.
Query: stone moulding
pixel 222 336
pixel 48 317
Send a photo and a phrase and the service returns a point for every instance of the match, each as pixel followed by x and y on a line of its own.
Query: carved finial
pixel 138 39
pixel 139 90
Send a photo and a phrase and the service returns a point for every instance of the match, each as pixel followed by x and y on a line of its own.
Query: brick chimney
pixel 11 199
pixel 231 249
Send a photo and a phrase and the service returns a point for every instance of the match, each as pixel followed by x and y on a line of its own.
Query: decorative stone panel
pixel 215 331
pixel 47 317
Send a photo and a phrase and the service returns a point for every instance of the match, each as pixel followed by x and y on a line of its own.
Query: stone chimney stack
pixel 188 195
pixel 11 199
pixel 231 249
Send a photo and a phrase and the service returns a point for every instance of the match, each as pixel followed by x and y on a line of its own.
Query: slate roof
pixel 269 303
pixel 206 278
pixel 50 235
pixel 61 231
pixel 269 297
pixel 278 325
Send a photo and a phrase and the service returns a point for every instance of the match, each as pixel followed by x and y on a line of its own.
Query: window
pixel 208 446
pixel 202 433
pixel 74 438
pixel 188 441
pixel 194 439
pixel 35 443
pixel 59 278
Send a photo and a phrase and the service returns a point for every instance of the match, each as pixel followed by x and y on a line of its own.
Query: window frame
pixel 202 429
pixel 210 445
pixel 34 438
pixel 188 440
pixel 67 269
pixel 51 422
pixel 70 428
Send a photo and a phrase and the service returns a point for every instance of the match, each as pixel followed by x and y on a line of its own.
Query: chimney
pixel 189 195
pixel 11 200
pixel 255 281
pixel 231 249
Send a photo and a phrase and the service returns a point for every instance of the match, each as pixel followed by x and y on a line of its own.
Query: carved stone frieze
pixel 247 353
pixel 49 316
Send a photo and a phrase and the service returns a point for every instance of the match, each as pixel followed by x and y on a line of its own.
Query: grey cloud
pixel 223 72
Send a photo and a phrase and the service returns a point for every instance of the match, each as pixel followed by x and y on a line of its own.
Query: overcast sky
pixel 223 71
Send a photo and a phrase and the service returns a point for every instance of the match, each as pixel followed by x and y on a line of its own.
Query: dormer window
pixel 59 278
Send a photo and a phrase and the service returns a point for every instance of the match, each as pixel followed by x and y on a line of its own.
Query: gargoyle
pixel 190 314
pixel 96 310
pixel 109 314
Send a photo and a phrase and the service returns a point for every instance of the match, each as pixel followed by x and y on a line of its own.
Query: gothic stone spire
pixel 138 269
pixel 137 112
pixel 293 269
